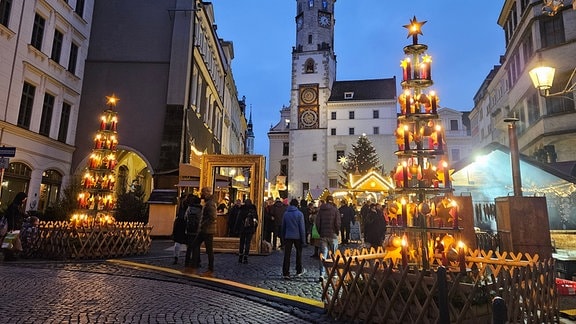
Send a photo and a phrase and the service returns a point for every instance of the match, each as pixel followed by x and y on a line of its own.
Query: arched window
pixel 49 189
pixel 309 66
pixel 16 179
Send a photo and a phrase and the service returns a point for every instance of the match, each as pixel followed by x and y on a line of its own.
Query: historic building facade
pixel 173 75
pixel 546 124
pixel 325 116
pixel 43 46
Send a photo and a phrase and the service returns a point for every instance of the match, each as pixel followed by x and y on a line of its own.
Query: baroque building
pixel 173 76
pixel 325 116
pixel 43 47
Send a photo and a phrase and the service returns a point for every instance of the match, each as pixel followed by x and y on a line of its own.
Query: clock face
pixel 308 96
pixel 324 20
pixel 309 118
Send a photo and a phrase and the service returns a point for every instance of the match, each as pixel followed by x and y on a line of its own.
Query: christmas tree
pixel 362 159
pixel 96 199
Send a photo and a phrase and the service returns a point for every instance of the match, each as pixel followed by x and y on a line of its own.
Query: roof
pixel 550 168
pixel 377 89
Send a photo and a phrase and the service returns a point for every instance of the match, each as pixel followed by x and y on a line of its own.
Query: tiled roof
pixel 377 89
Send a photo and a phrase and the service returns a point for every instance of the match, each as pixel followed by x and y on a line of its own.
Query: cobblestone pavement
pixel 150 289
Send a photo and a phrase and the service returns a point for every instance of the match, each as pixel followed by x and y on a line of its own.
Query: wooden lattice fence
pixel 64 240
pixel 367 286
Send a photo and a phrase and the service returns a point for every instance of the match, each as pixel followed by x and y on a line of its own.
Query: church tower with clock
pixel 313 73
pixel 325 116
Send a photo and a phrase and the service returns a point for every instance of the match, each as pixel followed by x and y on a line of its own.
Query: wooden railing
pixel 367 286
pixel 65 240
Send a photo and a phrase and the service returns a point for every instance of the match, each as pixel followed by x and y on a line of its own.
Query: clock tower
pixel 313 73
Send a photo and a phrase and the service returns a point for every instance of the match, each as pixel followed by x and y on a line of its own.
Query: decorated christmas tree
pixel 96 200
pixel 362 159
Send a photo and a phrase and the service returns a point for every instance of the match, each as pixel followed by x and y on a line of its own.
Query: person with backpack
pixel 193 216
pixel 247 222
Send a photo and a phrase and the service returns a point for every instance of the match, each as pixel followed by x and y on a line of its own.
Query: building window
pixel 375 114
pixel 310 39
pixel 332 131
pixel 64 121
pixel 351 131
pixel 351 114
pixel 46 119
pixel 333 183
pixel 324 4
pixel 314 157
pixel 17 178
pixel 552 31
pixel 339 155
pixel 305 188
pixel 309 66
pixel 376 130
pixel 38 32
pixel 5 6
pixel 455 154
pixel 26 103
pixel 57 46
pixel 79 7
pixel 348 95
pixel 285 149
pixel 310 3
pixel 333 115
pixel 453 124
pixel 49 189
pixel 73 58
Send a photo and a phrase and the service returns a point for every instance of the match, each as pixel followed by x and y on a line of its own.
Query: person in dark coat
pixel 374 227
pixel 347 216
pixel 306 213
pixel 15 216
pixel 233 214
pixel 179 227
pixel 246 225
pixel 293 233
pixel 328 224
pixel 278 210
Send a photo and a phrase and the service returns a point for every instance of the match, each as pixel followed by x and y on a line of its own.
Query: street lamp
pixel 542 78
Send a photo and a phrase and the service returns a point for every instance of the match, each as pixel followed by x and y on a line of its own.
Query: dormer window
pixel 348 95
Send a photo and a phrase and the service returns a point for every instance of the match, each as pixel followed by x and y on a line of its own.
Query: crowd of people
pixel 287 226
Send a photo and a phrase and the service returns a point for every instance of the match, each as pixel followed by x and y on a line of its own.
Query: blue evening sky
pixel 463 38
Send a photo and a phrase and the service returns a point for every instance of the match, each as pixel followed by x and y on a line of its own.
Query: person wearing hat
pixel 328 224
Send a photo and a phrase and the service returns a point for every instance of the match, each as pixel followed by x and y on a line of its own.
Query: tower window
pixel 324 4
pixel 310 3
pixel 310 66
pixel 310 39
pixel 314 157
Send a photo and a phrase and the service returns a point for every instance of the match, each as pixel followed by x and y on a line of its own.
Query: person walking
pixel 268 228
pixel 207 229
pixel 347 216
pixel 278 210
pixel 233 214
pixel 246 225
pixel 193 218
pixel 374 226
pixel 15 216
pixel 328 224
pixel 306 212
pixel 293 233
pixel 179 228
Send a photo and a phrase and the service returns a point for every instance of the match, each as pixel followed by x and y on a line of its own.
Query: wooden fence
pixel 367 286
pixel 65 240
